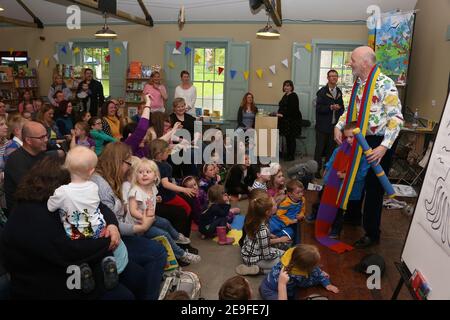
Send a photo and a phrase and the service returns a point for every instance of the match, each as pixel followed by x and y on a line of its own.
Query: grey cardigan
pixel 108 198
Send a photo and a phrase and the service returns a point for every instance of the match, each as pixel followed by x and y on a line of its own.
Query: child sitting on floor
pixel 262 177
pixel 355 202
pixel 98 135
pixel 195 202
pixel 258 253
pixel 239 179
pixel 236 288
pixel 217 218
pixel 142 200
pixel 80 136
pixel 290 211
pixel 159 150
pixel 277 188
pixel 301 264
pixel 209 177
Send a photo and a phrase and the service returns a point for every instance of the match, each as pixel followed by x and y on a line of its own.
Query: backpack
pixel 179 280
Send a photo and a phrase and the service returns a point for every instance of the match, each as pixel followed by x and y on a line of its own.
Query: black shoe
pixel 182 263
pixel 87 278
pixel 191 249
pixel 365 242
pixel 110 274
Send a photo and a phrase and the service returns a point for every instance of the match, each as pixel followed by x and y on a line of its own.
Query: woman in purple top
pixel 136 139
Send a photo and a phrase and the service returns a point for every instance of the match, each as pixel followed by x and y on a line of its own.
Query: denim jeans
pixel 150 255
pixel 165 224
pixel 155 231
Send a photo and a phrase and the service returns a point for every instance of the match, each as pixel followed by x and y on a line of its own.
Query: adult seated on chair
pixel 329 108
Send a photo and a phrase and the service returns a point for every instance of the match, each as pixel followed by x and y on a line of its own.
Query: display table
pixel 267 140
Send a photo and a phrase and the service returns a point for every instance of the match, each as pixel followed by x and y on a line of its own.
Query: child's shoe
pixel 245 270
pixel 182 239
pixel 222 235
pixel 110 274
pixel 87 278
pixel 190 258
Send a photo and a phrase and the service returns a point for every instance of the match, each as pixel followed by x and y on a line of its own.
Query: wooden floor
pixel 352 285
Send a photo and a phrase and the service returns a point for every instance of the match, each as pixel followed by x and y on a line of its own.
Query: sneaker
pixel 190 258
pixel 245 270
pixel 182 239
pixel 110 274
pixel 189 249
pixel 87 278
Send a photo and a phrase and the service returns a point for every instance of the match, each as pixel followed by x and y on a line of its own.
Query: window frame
pixel 79 60
pixel 191 65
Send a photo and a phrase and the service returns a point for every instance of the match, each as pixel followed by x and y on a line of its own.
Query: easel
pixel 405 277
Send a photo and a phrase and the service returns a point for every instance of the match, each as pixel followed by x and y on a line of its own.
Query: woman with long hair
pixel 247 112
pixel 111 123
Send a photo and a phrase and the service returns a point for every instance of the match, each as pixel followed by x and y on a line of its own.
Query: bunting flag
pixel 176 51
pixel 245 73
pixel 63 49
pixel 76 50
pixel 297 55
pixel 233 73
pixel 259 73
pixel 108 58
pixel 220 70
pixel 38 62
pixel 55 56
pixel 171 64
pixel 70 45
pixel 285 63
pixel 178 44
pixel 308 47
pixel 187 50
pixel 118 51
pixel 273 69
pixel 197 58
pixel 46 61
pixel 11 50
pixel 125 44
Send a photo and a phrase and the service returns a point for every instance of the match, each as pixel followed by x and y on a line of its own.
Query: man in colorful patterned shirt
pixel 384 124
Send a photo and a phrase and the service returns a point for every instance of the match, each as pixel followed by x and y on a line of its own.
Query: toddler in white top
pixel 78 202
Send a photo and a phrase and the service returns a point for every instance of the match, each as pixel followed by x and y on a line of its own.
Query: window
pixel 206 79
pixel 338 60
pixel 15 59
pixel 96 59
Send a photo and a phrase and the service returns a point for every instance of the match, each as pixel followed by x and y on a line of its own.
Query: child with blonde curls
pixel 142 201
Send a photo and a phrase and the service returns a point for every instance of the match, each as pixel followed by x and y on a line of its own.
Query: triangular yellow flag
pixel 245 73
pixel 11 50
pixel 46 60
pixel 118 51
pixel 308 47
pixel 197 58
pixel 76 50
pixel 259 72
pixel 171 64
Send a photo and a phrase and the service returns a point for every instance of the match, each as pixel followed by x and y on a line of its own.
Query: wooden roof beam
pixel 18 22
pixel 275 12
pixel 119 14
pixel 147 15
pixel 36 20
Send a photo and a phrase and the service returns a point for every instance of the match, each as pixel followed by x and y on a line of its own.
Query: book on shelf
pixel 26 83
pixel 133 97
pixel 138 71
pixel 6 74
pixel 26 72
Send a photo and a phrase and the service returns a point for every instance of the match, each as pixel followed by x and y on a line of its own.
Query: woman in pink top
pixel 157 92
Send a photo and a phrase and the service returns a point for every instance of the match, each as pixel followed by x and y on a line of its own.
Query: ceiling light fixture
pixel 268 31
pixel 105 32
pixel 1 9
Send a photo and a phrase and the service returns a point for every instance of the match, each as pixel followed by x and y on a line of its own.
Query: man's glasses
pixel 40 138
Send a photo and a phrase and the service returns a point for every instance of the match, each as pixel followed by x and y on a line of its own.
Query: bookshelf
pixel 13 84
pixel 134 89
pixel 72 76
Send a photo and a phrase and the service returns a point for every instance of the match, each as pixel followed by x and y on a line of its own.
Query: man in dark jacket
pixel 329 107
pixel 95 91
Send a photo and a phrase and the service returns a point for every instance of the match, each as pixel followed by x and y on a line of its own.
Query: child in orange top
pixel 290 211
